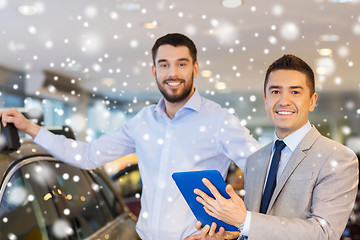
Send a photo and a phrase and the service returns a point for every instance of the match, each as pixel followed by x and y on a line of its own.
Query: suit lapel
pixel 257 180
pixel 297 157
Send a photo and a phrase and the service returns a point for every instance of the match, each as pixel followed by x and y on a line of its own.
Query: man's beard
pixel 178 97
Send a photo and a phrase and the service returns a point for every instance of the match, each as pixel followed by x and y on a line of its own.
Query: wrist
pixel 241 227
pixel 33 130
pixel 244 225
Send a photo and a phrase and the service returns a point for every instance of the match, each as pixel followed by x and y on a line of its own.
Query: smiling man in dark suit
pixel 302 185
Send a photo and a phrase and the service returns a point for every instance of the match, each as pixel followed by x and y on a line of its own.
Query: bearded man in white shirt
pixel 183 132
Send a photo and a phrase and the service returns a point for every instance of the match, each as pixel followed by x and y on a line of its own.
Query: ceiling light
pixel 150 25
pixel 329 38
pixel 27 10
pixel 129 6
pixel 14 47
pixel 206 73
pixel 339 1
pixel 31 10
pixel 220 85
pixel 108 81
pixel 325 66
pixel 325 52
pixel 321 70
pixel 231 3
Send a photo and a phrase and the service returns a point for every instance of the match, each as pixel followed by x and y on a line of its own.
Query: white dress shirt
pixel 201 136
pixel 291 141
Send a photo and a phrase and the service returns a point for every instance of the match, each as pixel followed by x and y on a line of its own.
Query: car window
pixel 106 192
pixel 85 207
pixel 52 200
pixel 130 184
pixel 28 208
pixel 127 183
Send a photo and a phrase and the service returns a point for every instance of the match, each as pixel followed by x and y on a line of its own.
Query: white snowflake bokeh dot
pixel 62 229
pixel 145 215
pixel 76 178
pixel 12 236
pixel 277 10
pixel 146 137
pixel 289 31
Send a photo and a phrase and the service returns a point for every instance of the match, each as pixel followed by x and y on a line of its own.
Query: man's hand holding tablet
pixel 203 190
pixel 225 209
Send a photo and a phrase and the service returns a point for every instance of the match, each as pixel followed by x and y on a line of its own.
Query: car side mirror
pixel 9 137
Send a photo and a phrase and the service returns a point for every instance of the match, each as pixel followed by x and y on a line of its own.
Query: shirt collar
pixel 293 140
pixel 193 103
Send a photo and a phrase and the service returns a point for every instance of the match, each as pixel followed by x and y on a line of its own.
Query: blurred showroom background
pixel 87 64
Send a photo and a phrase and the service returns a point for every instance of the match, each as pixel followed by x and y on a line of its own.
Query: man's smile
pixel 284 112
pixel 173 83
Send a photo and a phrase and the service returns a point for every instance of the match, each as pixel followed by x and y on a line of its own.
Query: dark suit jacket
pixel 314 195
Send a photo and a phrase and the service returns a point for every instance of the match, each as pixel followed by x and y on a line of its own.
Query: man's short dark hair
pixel 291 62
pixel 175 39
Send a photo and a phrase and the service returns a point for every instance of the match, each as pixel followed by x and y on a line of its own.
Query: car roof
pixel 9 156
pixel 27 149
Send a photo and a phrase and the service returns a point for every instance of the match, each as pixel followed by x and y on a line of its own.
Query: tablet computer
pixel 188 181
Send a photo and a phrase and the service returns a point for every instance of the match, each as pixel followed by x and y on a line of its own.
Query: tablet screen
pixel 188 181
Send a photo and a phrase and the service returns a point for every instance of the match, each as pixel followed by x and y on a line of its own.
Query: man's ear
pixel 264 98
pixel 196 68
pixel 153 69
pixel 313 102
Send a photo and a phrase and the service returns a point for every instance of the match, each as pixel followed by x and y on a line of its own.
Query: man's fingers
pixel 204 198
pixel 212 229
pixel 208 207
pixel 200 200
pixel 205 231
pixel 198 225
pixel 199 192
pixel 8 116
pixel 221 232
pixel 212 188
pixel 236 199
pixel 6 119
pixel 230 190
pixel 210 212
pixel 194 237
pixel 9 119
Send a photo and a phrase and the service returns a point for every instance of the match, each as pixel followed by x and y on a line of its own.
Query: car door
pixel 121 226
pixel 47 199
pixel 29 208
pixel 92 205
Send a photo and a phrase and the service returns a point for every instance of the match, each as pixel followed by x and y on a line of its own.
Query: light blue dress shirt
pixel 201 136
pixel 291 141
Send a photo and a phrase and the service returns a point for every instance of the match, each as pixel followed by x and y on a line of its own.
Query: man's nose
pixel 173 72
pixel 285 99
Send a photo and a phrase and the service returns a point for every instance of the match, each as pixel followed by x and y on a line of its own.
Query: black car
pixel 43 198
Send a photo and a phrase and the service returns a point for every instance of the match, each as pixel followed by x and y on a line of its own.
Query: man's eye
pixel 182 64
pixel 296 92
pixel 163 65
pixel 275 91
